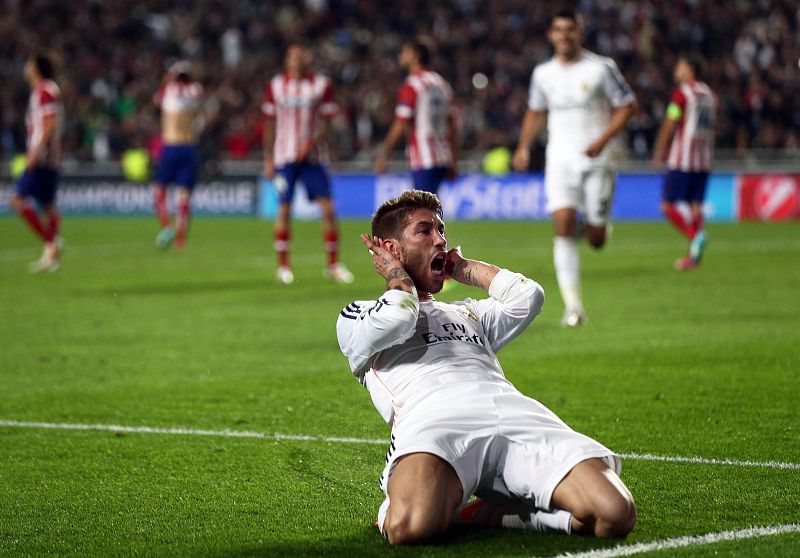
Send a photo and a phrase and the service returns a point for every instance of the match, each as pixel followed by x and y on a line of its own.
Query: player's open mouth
pixel 437 264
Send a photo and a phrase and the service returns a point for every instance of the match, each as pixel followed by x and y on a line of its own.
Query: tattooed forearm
pixel 398 279
pixel 397 273
pixel 475 273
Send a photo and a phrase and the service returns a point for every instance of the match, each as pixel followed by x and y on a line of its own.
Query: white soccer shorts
pixel 587 188
pixel 502 446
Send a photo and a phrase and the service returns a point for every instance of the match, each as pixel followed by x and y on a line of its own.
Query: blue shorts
pixel 314 178
pixel 684 186
pixel 178 165
pixel 429 180
pixel 39 183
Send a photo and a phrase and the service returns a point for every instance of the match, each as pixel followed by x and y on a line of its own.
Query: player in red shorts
pixel 689 125
pixel 39 182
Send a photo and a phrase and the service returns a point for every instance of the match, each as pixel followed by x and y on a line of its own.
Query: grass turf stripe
pixel 346 440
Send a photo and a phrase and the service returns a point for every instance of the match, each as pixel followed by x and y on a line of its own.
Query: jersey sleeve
pixel 536 98
pixel 676 106
pixel 514 301
pixel 366 328
pixel 327 107
pixel 616 89
pixel 406 102
pixel 268 105
pixel 48 102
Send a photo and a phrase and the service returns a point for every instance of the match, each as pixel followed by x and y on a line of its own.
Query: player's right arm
pixel 268 139
pixel 534 117
pixel 365 329
pixel 530 128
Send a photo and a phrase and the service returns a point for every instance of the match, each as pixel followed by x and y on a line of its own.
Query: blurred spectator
pixel 112 53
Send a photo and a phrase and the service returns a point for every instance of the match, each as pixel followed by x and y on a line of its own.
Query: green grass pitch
pixel 699 364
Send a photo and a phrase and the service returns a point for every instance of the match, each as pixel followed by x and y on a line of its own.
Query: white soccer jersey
pixel 409 353
pixel 578 98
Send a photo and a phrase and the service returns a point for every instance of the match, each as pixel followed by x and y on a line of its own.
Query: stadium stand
pixel 111 57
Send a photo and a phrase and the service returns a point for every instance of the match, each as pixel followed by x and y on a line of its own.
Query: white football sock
pixel 568 271
pixel 540 521
pixel 557 520
pixel 382 515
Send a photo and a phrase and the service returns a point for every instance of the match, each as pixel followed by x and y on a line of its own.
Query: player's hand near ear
pixel 388 265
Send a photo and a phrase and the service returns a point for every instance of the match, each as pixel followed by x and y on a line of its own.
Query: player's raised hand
pixel 383 260
pixel 388 265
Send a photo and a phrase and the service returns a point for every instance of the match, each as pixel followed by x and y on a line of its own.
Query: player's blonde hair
pixel 391 217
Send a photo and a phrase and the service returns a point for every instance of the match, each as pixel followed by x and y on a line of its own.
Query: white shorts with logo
pixel 581 184
pixel 503 446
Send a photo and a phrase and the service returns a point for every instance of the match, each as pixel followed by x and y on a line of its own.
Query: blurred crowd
pixel 111 55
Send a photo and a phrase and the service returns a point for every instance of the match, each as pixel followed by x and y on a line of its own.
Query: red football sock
pixel 182 222
pixel 332 246
pixel 697 221
pixel 160 203
pixel 53 225
pixel 676 218
pixel 32 218
pixel 282 244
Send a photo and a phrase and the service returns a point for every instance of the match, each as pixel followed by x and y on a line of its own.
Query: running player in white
pixel 689 126
pixel 586 102
pixel 459 427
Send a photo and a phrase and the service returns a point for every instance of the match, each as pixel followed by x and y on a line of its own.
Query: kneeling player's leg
pixel 419 512
pixel 599 501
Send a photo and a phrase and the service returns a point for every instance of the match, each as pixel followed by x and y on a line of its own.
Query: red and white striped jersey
pixel 177 96
pixel 297 105
pixel 694 106
pixel 424 102
pixel 44 103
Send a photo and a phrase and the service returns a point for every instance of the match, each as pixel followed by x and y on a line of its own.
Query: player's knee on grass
pixel 615 517
pixel 410 524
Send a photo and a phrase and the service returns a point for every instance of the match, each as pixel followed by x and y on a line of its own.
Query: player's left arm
pixel 514 300
pixel 619 118
pixel 392 138
pixel 666 131
pixel 327 111
pixel 621 97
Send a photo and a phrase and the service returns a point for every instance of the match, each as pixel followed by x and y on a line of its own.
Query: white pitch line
pixel 682 542
pixel 345 440
pixel 187 432
pixel 710 461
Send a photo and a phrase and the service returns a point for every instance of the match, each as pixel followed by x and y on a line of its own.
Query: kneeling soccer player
pixel 459 427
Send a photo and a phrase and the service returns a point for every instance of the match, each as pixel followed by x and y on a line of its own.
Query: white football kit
pixel 579 99
pixel 432 372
